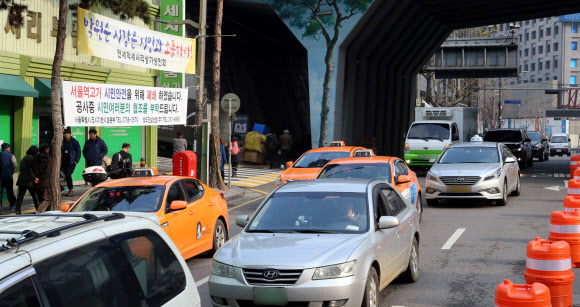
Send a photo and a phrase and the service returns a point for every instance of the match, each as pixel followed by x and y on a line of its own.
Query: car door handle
pixel 165 224
pixel 191 212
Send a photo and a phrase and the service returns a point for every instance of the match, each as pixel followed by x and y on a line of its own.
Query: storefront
pixel 25 70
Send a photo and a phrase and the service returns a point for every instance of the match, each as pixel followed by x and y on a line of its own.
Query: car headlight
pixel 220 269
pixel 519 149
pixel 432 177
pixel 335 271
pixel 407 149
pixel 494 175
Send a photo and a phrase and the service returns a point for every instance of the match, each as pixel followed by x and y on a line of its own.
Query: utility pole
pixel 499 106
pixel 201 62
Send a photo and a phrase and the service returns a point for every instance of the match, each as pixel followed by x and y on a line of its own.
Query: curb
pixel 235 196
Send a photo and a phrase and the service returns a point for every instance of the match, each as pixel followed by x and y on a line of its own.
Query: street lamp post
pixel 499 106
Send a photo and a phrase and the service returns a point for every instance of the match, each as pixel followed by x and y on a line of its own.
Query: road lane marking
pixel 453 238
pixel 259 191
pixel 248 202
pixel 201 281
pixel 566 183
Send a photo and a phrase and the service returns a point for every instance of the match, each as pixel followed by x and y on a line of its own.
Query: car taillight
pixel 222 196
pixel 97 170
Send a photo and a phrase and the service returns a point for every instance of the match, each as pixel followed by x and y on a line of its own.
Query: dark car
pixel 517 140
pixel 541 147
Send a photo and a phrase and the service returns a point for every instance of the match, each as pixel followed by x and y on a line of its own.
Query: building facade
pixel 26 56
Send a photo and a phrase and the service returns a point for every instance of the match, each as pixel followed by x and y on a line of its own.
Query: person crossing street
pixel 9 162
pixel 40 172
pixel 286 143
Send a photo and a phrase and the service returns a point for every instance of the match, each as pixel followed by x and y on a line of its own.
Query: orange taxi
pixel 390 169
pixel 310 163
pixel 193 215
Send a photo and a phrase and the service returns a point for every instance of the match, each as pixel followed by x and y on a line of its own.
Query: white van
pixel 91 259
pixel 427 139
pixel 560 145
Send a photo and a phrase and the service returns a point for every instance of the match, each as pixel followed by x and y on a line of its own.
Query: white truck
pixel 435 129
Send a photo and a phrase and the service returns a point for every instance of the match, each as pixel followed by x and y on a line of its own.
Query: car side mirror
pixel 64 208
pixel 568 139
pixel 289 164
pixel 455 137
pixel 178 205
pixel 544 140
pixel 403 178
pixel 388 222
pixel 242 220
pixel 527 140
pixel 510 160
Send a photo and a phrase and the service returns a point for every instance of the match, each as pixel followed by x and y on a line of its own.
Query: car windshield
pixel 313 212
pixel 511 136
pixel 129 198
pixel 380 171
pixel 429 131
pixel 534 136
pixel 319 159
pixel 470 155
pixel 559 139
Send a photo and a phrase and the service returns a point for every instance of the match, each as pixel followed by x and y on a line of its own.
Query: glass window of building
pixel 574 63
pixel 572 80
pixel 547 65
pixel 556 30
pixel 533 66
pixel 548 31
pixel 548 47
pixel 526 52
pixel 533 50
pixel 555 46
pixel 540 49
pixel 533 34
pixel 575 28
pixel 540 65
pixel 574 45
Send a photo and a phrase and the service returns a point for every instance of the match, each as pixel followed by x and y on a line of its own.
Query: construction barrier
pixel 565 226
pixel 574 187
pixel 509 295
pixel 550 263
pixel 573 165
pixel 576 174
pixel 571 203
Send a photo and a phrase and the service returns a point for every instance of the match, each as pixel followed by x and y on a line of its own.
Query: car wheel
pixel 547 156
pixel 412 273
pixel 432 202
pixel 503 201
pixel 371 296
pixel 531 162
pixel 542 157
pixel 220 235
pixel 420 207
pixel 518 189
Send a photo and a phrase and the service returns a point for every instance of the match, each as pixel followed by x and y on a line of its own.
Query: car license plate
pixel 558 150
pixel 459 189
pixel 270 296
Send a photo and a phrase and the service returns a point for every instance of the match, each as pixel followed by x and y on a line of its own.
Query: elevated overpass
pixel 379 60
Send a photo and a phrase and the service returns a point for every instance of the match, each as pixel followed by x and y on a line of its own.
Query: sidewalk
pixel 79 190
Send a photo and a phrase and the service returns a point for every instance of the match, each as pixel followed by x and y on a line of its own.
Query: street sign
pixel 512 102
pixel 233 99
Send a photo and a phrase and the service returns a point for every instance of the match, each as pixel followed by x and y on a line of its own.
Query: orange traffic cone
pixel 509 295
pixel 571 203
pixel 574 187
pixel 565 226
pixel 550 263
pixel 576 174
pixel 573 164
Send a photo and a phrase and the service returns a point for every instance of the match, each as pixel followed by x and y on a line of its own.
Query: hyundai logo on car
pixel 271 274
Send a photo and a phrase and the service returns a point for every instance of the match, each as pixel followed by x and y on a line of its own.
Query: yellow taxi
pixel 390 169
pixel 310 163
pixel 193 215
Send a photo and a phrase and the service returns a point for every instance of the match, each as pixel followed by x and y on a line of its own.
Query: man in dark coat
pixel 122 162
pixel 40 171
pixel 10 164
pixel 286 147
pixel 95 149
pixel 272 149
pixel 71 155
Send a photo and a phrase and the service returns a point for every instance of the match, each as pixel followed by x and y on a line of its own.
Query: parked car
pixel 309 164
pixel 560 145
pixel 541 147
pixel 321 241
pixel 517 140
pixel 390 169
pixel 194 215
pixel 91 260
pixel 481 170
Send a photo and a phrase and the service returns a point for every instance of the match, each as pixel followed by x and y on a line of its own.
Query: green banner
pixel 114 137
pixel 171 10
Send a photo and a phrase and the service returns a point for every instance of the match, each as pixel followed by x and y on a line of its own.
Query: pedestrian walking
pixel 286 144
pixel 94 150
pixel 25 182
pixel 7 178
pixel 40 171
pixel 236 144
pixel 122 162
pixel 179 143
pixel 223 160
pixel 272 149
pixel 71 155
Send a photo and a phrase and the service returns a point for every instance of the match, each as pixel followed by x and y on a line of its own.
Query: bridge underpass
pixel 379 60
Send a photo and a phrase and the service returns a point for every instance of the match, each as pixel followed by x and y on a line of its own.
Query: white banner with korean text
pixel 122 42
pixel 106 105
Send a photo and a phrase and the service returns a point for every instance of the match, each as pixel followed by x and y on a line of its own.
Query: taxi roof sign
pixel 145 172
pixel 363 153
pixel 337 144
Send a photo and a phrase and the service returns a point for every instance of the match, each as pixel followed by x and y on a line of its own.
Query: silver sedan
pixel 482 170
pixel 328 242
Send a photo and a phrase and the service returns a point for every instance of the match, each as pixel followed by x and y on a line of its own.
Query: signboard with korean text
pixel 122 42
pixel 107 105
pixel 171 10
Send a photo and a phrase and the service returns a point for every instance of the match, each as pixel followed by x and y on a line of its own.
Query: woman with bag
pixel 236 154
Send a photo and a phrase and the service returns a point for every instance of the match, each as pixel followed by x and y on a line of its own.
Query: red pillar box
pixel 185 164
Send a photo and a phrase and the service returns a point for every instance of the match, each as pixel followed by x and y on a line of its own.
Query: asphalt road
pixel 490 242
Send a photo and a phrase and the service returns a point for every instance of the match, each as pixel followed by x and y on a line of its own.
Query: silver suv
pixel 319 241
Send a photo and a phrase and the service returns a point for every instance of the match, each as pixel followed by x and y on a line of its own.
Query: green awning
pixel 16 86
pixel 42 86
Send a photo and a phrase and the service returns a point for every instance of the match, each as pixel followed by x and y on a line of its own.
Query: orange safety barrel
pixel 571 203
pixel 509 295
pixel 576 174
pixel 565 226
pixel 550 263
pixel 573 164
pixel 574 187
